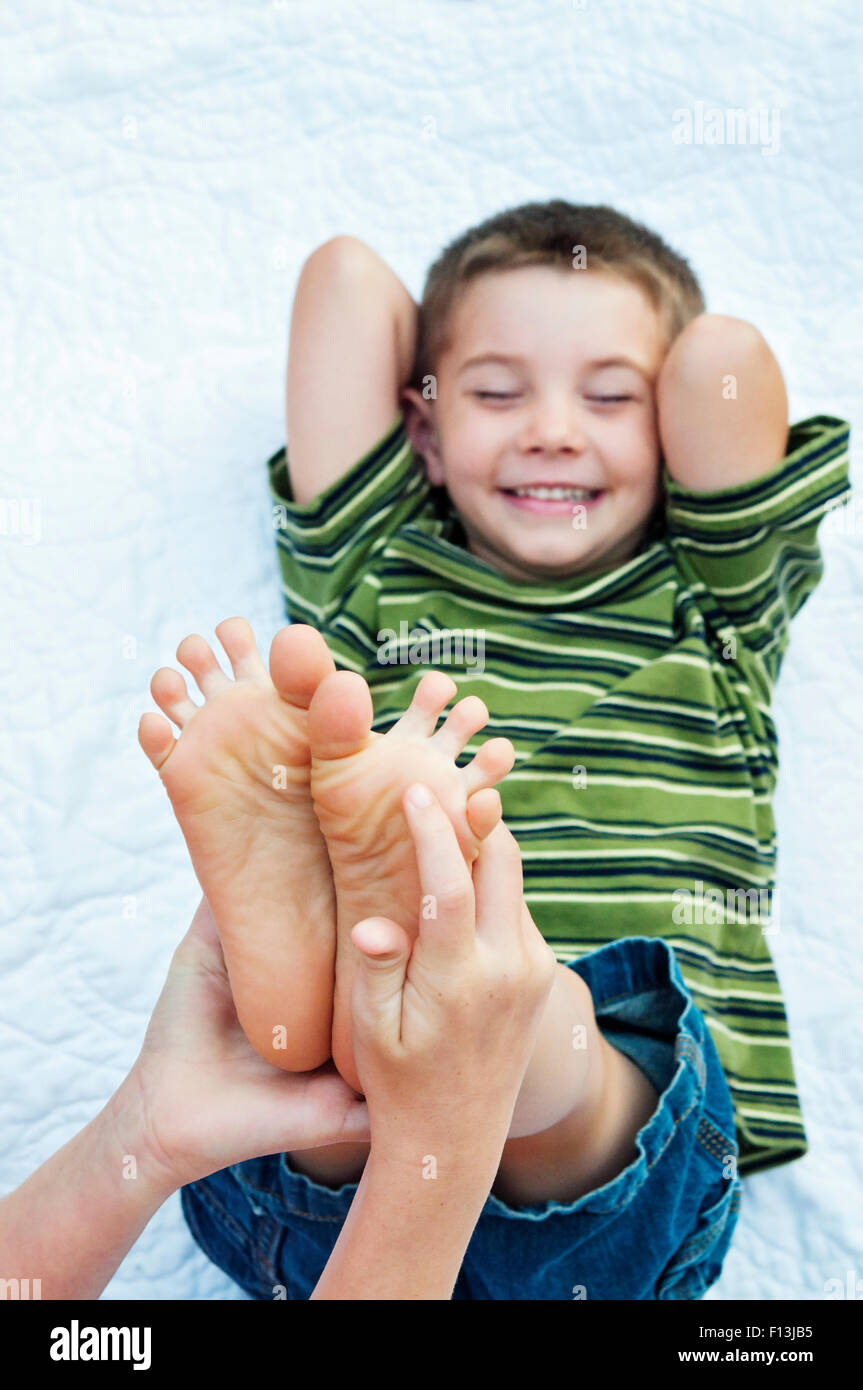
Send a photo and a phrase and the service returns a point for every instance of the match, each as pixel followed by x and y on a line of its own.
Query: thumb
pixel 384 953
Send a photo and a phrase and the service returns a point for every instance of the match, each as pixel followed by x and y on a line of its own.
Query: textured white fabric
pixel 166 169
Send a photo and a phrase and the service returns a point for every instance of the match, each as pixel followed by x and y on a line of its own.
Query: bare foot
pixel 358 781
pixel 239 781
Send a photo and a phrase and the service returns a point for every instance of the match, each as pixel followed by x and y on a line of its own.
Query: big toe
pixel 340 715
pixel 299 660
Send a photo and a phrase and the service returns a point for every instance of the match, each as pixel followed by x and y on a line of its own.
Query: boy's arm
pixel 352 344
pixel 721 405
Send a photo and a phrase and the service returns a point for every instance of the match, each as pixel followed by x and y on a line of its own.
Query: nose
pixel 554 425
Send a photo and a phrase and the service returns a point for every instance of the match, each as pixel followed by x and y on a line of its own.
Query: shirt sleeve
pixel 749 554
pixel 325 545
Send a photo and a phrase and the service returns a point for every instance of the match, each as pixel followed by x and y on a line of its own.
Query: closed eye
pixel 513 395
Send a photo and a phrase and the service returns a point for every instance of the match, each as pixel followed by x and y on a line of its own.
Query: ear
pixel 420 424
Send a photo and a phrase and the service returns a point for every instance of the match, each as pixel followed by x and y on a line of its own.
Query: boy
pixel 563 372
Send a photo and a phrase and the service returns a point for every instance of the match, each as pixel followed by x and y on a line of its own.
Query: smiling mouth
pixel 554 493
pixel 552 501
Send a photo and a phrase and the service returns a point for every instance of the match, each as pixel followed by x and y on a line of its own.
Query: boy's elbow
pixel 711 343
pixel 339 259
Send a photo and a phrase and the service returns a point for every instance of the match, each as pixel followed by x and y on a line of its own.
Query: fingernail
pixel 418 795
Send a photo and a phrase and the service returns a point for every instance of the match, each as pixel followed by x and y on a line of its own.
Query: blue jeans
pixel 658 1230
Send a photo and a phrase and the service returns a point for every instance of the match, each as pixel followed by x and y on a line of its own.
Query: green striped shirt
pixel 637 702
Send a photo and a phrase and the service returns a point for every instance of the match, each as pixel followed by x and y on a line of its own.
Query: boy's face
pixel 533 412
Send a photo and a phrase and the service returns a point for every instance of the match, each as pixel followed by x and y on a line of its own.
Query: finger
pixel 238 640
pixel 197 656
pixel 354 1126
pixel 490 765
pixel 430 698
pixel 499 889
pixel 463 721
pixel 376 1003
pixel 307 1111
pixel 380 939
pixel 156 738
pixel 446 925
pixel 483 812
pixel 169 691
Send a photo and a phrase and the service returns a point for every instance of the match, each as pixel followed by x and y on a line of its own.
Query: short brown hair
pixel 549 234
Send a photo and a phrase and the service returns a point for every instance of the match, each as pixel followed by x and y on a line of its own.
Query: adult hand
pixel 444 1029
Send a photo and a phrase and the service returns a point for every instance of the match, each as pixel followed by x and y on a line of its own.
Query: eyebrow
pixel 514 360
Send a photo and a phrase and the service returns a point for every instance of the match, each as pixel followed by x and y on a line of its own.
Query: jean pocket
pixel 698 1262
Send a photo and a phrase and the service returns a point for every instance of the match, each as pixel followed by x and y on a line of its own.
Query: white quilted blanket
pixel 166 168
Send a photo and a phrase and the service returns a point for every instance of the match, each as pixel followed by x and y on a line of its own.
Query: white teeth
pixel 556 494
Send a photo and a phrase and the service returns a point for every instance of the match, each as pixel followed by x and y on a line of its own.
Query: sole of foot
pixel 239 781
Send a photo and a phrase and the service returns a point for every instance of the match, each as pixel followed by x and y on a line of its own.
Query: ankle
pixel 565 1076
pixel 332 1166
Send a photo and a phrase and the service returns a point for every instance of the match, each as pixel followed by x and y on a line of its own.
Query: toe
pixel 340 716
pixel 156 738
pixel 198 658
pixel 238 640
pixel 430 698
pixel 299 661
pixel 169 691
pixel 493 761
pixel 483 811
pixel 463 721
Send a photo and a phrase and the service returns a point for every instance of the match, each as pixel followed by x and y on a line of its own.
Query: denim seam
pixel 698 1246
pixel 599 1005
pixel 273 1236
pixel 298 1211
pixel 213 1202
pixel 704 1246
pixel 689 1286
pixel 690 1049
